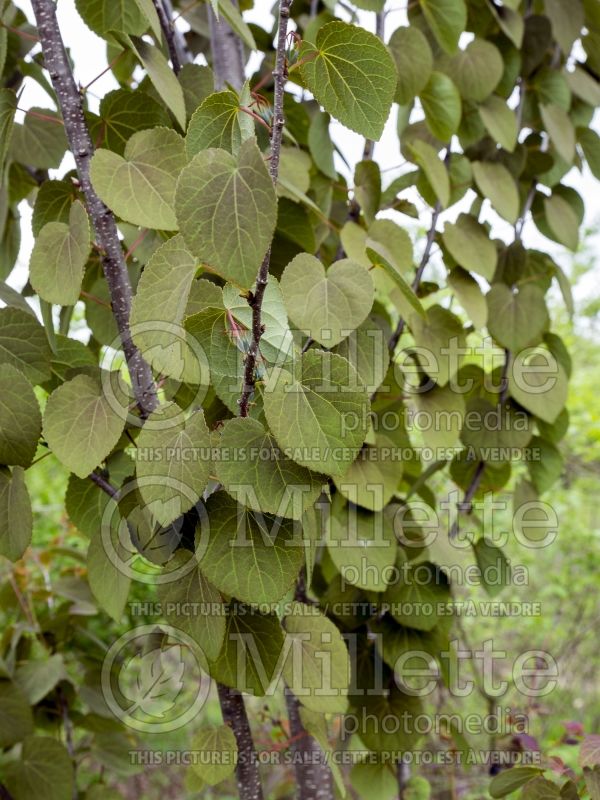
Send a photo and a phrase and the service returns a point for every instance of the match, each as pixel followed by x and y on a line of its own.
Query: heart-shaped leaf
pixel 20 418
pixel 320 414
pixel 352 74
pixel 327 306
pixel 227 209
pixel 140 185
pixel 59 256
pixel 80 425
pixel 516 319
pixel 256 473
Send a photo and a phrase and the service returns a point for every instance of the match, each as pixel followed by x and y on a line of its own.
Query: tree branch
pixel 227 53
pixel 234 715
pixel 419 274
pixel 168 29
pixel 256 300
pixel 107 236
pixel 313 776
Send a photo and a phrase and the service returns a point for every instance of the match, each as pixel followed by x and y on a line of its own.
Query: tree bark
pixel 246 771
pixel 103 221
pixel 227 53
pixel 313 776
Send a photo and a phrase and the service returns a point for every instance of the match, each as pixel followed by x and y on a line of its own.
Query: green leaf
pixel 442 106
pixel 251 556
pixel 173 462
pixel 20 418
pixel 512 779
pixel 140 185
pixel 496 183
pixel 85 504
pixel 470 245
pixel 317 667
pixel 516 319
pixel 590 144
pixel 158 310
pixel 16 519
pixel 367 350
pixel 226 209
pixel 441 337
pixel 257 474
pixel 104 16
pixel 23 343
pixel 560 129
pixel 500 121
pixel 470 296
pixel 414 62
pixel 539 383
pixel 320 413
pixel 8 106
pixel 251 650
pixel 219 122
pixel 38 677
pixel 443 411
pixel 123 113
pixel 388 242
pixel 320 144
pixel 16 719
pixel 352 75
pixel 447 19
pixel 43 772
pixel 374 476
pixel 80 425
pixel 367 188
pixel 434 169
pixel 327 306
pixel 149 12
pixel 494 566
pixel 192 604
pixel 376 781
pixel 362 545
pixel 59 256
pixel 562 220
pixel 40 142
pixel 163 78
pixel 220 743
pixel 417 598
pixel 197 82
pixel 476 70
pixel 52 204
pixel 584 86
pixel 567 21
pixel 108 581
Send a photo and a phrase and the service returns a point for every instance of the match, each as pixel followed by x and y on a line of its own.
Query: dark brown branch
pixel 246 771
pixel 313 776
pixel 103 484
pixel 107 236
pixel 419 274
pixel 168 29
pixel 227 53
pixel 4 793
pixel 280 77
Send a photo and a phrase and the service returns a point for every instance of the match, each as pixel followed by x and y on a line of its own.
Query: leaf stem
pixel 105 227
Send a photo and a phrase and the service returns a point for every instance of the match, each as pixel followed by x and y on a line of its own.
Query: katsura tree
pixel 266 366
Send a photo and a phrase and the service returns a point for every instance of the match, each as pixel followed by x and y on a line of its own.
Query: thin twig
pixel 107 236
pixel 419 273
pixel 103 484
pixel 168 29
pixel 256 299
